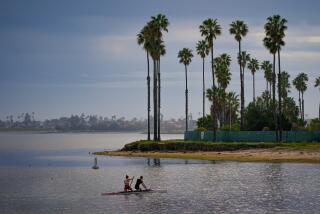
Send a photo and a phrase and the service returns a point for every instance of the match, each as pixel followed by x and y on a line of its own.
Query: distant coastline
pixel 52 131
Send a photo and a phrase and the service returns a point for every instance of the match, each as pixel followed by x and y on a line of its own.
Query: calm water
pixel 51 173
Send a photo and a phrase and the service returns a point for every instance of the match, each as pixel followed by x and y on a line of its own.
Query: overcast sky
pixel 61 57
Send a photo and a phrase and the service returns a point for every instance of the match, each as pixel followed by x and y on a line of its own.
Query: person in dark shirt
pixel 140 182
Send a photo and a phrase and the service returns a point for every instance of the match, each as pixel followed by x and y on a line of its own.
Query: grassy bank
pixel 235 151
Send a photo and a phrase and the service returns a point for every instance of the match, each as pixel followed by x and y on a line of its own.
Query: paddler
pixel 127 183
pixel 140 182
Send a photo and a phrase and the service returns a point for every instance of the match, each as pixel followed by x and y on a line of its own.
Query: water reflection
pixel 155 162
pixel 273 177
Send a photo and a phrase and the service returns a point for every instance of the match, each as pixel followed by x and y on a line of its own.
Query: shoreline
pixel 250 155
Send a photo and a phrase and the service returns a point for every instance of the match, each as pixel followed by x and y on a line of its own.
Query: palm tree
pixel 270 44
pixel 296 82
pixel 221 65
pixel 317 84
pixel 267 67
pixel 285 90
pixel 275 30
pixel 285 84
pixel 203 51
pixel 210 29
pixel 162 23
pixel 300 82
pixel 143 38
pixel 239 29
pixel 243 58
pixel 185 56
pixel 222 70
pixel 158 24
pixel 233 105
pixel 253 65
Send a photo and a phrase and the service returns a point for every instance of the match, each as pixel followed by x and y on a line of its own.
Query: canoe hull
pixel 134 192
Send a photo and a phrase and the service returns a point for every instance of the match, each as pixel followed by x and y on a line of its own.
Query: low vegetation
pixel 180 145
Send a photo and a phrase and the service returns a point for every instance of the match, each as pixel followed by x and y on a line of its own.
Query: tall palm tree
pixel 253 66
pixel 239 29
pixel 267 67
pixel 317 84
pixel 185 56
pixel 162 23
pixel 275 30
pixel 158 24
pixel 143 38
pixel 270 44
pixel 223 74
pixel 203 50
pixel 210 29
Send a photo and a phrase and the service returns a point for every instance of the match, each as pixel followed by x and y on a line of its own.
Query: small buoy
pixel 95 166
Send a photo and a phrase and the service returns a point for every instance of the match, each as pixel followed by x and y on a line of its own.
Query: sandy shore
pixel 264 155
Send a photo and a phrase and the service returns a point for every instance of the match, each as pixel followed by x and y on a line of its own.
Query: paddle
pixel 131 182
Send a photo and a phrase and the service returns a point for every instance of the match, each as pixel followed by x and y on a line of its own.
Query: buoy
pixel 95 166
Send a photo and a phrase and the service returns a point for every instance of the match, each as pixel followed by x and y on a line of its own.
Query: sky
pixel 59 58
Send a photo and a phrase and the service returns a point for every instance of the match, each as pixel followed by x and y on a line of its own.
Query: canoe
pixel 134 192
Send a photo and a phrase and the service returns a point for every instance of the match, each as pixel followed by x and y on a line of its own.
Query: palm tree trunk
pixel 186 93
pixel 279 97
pixel 214 99
pixel 203 90
pixel 254 93
pixel 159 95
pixel 274 96
pixel 302 105
pixel 148 83
pixel 155 130
pixel 230 116
pixel 300 110
pixel 241 93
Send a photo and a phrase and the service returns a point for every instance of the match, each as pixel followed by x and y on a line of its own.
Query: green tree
pixel 253 66
pixel 185 55
pixel 259 115
pixel 314 125
pixel 203 50
pixel 205 122
pixel 317 84
pixel 239 29
pixel 210 29
pixel 290 110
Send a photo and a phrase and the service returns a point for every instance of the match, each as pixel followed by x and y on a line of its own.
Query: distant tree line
pixel 82 122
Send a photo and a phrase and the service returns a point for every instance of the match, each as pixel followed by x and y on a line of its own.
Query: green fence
pixel 253 136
